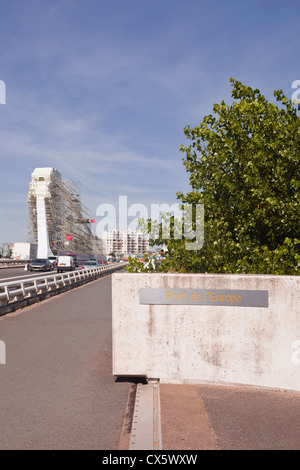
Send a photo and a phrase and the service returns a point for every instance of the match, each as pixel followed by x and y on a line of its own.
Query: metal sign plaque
pixel 216 297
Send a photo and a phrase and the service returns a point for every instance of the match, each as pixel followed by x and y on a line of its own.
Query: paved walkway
pixel 204 417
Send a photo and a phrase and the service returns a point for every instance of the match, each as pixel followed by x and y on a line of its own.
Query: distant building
pixel 123 242
pixel 6 250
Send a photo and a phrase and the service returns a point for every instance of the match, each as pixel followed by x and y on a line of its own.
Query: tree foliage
pixel 243 161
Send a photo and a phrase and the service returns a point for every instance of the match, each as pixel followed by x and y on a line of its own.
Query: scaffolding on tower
pixel 67 220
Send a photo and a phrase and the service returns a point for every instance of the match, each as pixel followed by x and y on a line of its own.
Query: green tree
pixel 243 162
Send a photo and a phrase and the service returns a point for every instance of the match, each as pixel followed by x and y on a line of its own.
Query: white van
pixel 65 263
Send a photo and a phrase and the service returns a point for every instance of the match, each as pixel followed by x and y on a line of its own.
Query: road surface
pixel 56 388
pixel 14 274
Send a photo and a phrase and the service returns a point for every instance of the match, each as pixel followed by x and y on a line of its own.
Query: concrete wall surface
pixel 162 330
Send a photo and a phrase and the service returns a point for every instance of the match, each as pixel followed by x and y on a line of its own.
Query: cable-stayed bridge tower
pixel 58 220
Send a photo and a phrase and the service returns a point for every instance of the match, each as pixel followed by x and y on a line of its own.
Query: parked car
pixel 65 263
pixel 90 264
pixel 41 264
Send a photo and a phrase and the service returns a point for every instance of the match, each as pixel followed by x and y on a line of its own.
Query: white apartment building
pixel 125 242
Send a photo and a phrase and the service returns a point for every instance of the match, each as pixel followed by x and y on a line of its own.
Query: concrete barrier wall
pixel 237 329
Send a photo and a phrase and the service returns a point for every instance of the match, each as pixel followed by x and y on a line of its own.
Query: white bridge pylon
pixel 39 190
pixel 43 250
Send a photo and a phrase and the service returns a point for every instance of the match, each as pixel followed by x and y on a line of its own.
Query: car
pixel 65 263
pixel 53 260
pixel 90 264
pixel 41 264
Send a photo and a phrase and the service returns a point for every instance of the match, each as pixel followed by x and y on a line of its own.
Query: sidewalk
pixel 206 417
pixel 212 417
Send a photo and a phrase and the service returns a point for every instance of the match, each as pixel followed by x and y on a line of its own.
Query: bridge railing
pixel 5 262
pixel 24 291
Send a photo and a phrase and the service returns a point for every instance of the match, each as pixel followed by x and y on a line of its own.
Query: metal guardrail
pixel 5 262
pixel 26 289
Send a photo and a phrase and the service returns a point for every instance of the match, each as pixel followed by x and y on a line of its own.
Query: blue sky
pixel 101 90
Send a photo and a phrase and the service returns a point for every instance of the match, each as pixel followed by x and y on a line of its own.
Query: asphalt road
pixel 56 388
pixel 14 274
pixel 10 274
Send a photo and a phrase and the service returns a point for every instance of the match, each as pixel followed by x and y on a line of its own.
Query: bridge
pixel 59 389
